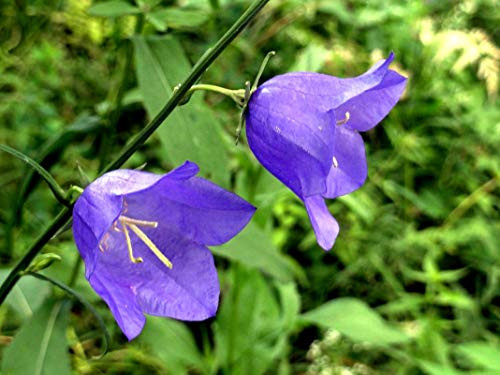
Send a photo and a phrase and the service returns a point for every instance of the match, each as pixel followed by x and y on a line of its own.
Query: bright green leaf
pixel 356 320
pixel 113 9
pixel 253 248
pixel 482 354
pixel 176 18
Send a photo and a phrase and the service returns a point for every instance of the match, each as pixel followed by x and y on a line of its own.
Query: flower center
pixel 127 223
pixel 345 119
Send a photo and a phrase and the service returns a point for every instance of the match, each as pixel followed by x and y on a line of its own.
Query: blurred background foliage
pixel 412 284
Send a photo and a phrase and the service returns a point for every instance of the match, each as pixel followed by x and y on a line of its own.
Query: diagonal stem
pixel 201 66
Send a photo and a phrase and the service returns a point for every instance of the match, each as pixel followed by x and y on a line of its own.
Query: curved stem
pixel 53 185
pixel 201 66
pixel 237 95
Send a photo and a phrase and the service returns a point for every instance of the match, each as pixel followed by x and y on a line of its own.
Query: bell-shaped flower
pixel 143 239
pixel 303 128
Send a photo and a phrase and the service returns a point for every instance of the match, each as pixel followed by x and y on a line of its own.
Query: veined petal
pixel 292 140
pixel 196 208
pixel 93 214
pixel 369 108
pixel 123 181
pixel 101 203
pixel 184 172
pixel 326 92
pixel 189 291
pixel 121 300
pixel 324 224
pixel 349 168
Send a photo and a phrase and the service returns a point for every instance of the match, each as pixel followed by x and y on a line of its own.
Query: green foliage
pixel 40 346
pixel 411 284
pixel 192 132
pixel 356 320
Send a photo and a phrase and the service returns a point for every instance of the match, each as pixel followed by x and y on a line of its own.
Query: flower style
pixel 303 128
pixel 143 239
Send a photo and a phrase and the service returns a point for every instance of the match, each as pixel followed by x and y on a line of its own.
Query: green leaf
pixel 176 18
pixel 311 59
pixel 253 248
pixel 113 9
pixel 290 304
pixel 248 325
pixel 40 347
pixel 27 296
pixel 356 320
pixel 191 132
pixel 482 354
pixel 437 369
pixel 176 358
pixel 83 301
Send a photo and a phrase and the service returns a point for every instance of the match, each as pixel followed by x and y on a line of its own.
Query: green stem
pixel 237 95
pixel 53 185
pixel 201 66
pixel 40 242
pixel 75 271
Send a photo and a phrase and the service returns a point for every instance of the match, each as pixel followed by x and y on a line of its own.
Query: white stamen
pixel 345 119
pixel 335 162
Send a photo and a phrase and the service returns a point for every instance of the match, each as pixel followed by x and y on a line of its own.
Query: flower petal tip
pixel 324 224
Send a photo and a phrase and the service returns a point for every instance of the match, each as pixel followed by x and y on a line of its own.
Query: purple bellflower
pixel 304 128
pixel 143 239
